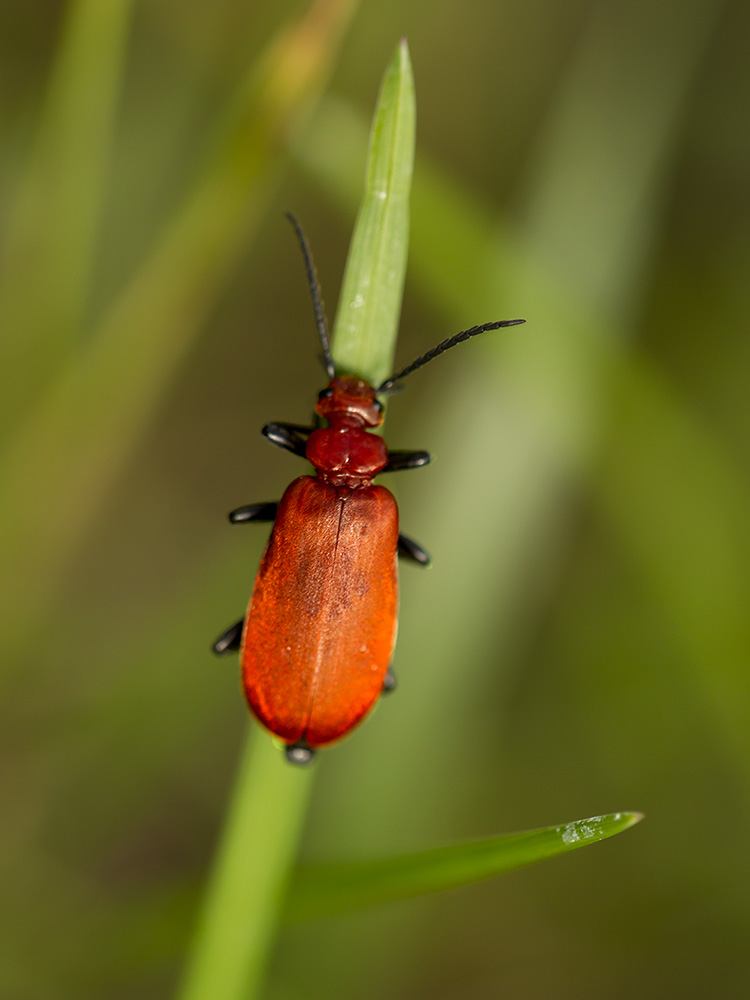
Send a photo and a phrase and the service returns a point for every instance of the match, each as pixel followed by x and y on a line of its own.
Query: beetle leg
pixel 410 549
pixel 299 753
pixel 288 436
pixel 229 640
pixel 254 512
pixel 398 460
pixel 300 428
pixel 389 681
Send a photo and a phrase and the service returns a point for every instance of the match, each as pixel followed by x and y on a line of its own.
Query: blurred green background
pixel 581 644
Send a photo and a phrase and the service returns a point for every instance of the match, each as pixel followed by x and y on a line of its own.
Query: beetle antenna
pixel 446 345
pixel 312 281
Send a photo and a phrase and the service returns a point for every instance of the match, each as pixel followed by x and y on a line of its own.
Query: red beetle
pixel 317 639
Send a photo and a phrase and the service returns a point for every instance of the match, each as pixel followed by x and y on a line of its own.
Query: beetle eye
pixel 325 393
pixel 378 406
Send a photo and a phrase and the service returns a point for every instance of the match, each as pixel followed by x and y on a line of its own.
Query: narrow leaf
pixel 366 325
pixel 326 890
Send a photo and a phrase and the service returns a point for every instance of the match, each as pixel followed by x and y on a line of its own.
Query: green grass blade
pixel 254 861
pixel 326 890
pixel 364 334
pixel 258 846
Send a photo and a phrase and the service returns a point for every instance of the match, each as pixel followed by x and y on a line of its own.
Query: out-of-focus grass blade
pixel 670 489
pixel 591 222
pixel 369 306
pixel 243 902
pixel 51 233
pixel 557 371
pixel 325 890
pixel 87 423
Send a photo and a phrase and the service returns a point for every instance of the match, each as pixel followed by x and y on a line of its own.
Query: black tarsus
pixel 312 280
pixel 253 512
pixel 299 753
pixel 229 640
pixel 446 345
pixel 398 460
pixel 287 436
pixel 299 428
pixel 410 549
pixel 389 681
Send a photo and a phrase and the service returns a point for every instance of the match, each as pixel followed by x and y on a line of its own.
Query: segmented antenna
pixel 446 345
pixel 312 280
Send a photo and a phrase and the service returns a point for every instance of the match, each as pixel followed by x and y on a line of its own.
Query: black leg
pixel 293 437
pixel 389 681
pixel 254 512
pixel 398 460
pixel 229 641
pixel 299 753
pixel 409 549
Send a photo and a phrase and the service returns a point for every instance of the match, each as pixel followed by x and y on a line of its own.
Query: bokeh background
pixel 581 644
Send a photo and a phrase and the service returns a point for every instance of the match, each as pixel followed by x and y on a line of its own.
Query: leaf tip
pixel 401 56
pixel 632 818
pixel 595 828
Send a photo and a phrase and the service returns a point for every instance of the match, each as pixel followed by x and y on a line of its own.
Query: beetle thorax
pixel 346 454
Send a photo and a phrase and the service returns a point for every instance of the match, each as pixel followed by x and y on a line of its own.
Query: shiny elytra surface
pixel 321 625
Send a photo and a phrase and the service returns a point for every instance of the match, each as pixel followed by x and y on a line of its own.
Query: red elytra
pixel 318 636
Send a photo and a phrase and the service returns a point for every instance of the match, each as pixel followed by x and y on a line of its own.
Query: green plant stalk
pixel 259 843
pixel 258 846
